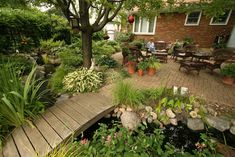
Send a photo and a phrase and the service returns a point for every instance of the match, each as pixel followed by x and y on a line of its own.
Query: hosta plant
pixel 83 80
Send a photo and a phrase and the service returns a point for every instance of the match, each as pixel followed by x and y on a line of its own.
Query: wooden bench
pixel 190 66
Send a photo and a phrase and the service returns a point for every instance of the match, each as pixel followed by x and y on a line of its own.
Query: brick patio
pixel 210 87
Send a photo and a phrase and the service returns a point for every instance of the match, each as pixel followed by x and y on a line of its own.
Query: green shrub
pixel 139 44
pixel 22 64
pixel 106 61
pixel 71 57
pixel 126 94
pixel 57 78
pixel 19 101
pixel 97 36
pixel 22 29
pixel 83 80
pixel 102 48
pixel 125 37
pixel 228 70
pixel 50 46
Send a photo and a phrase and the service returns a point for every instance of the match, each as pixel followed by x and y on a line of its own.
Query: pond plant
pixel 20 100
pixel 118 141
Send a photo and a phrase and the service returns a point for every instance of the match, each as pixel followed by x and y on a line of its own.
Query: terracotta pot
pixel 151 71
pixel 140 72
pixel 228 80
pixel 131 69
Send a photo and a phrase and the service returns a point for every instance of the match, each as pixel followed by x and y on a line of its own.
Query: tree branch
pixel 106 19
pixel 116 11
pixel 103 23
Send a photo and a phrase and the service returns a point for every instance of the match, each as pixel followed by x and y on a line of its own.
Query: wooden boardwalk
pixel 60 122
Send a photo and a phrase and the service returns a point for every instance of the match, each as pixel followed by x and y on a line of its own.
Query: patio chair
pixel 218 57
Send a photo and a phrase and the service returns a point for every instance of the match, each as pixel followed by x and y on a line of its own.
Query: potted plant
pixel 153 64
pixel 131 64
pixel 228 71
pixel 141 67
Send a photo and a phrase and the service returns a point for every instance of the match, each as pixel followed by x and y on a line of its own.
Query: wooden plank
pixel 66 119
pixel 9 149
pixel 91 104
pixel 85 111
pixel 23 144
pixel 102 99
pixel 73 113
pixel 48 132
pixel 57 125
pixel 37 140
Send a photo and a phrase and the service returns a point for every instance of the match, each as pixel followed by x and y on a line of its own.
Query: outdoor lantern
pixel 131 19
pixel 73 22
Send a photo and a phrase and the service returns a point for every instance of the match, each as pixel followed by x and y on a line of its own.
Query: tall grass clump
pixel 125 94
pixel 18 100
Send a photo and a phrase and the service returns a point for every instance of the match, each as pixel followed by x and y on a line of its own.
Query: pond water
pixel 180 136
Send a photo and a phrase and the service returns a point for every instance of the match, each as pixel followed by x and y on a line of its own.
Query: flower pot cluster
pixel 228 72
pixel 150 64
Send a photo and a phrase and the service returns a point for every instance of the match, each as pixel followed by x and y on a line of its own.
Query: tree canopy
pixel 93 15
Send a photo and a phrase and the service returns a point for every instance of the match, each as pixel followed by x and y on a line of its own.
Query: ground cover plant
pixel 116 141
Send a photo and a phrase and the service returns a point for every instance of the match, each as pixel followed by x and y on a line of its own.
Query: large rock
pixel 232 130
pixel 130 120
pixel 174 121
pixel 170 113
pixel 195 124
pixel 218 123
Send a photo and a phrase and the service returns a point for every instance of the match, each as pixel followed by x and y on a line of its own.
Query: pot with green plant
pixel 153 64
pixel 142 67
pixel 131 64
pixel 228 71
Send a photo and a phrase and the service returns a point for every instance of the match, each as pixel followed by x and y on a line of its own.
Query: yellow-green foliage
pixel 83 80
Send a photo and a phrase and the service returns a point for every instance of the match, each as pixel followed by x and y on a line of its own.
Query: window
pixel 221 20
pixel 193 18
pixel 144 25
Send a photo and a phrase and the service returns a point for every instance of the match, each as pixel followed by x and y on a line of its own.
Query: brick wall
pixel 171 27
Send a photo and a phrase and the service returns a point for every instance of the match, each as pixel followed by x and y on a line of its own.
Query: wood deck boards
pixel 59 123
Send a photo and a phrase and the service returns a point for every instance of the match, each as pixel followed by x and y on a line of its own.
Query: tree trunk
pixel 87 48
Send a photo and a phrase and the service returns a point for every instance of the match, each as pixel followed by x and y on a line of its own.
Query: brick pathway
pixel 210 87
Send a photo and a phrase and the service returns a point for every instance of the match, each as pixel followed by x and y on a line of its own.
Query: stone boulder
pixel 195 124
pixel 232 130
pixel 130 120
pixel 173 121
pixel 218 123
pixel 170 113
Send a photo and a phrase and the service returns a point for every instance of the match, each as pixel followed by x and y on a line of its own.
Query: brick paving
pixel 208 86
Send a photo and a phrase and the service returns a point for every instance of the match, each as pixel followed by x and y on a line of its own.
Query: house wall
pixel 171 27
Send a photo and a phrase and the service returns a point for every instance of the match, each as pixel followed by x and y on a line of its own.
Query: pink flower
pixel 84 141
